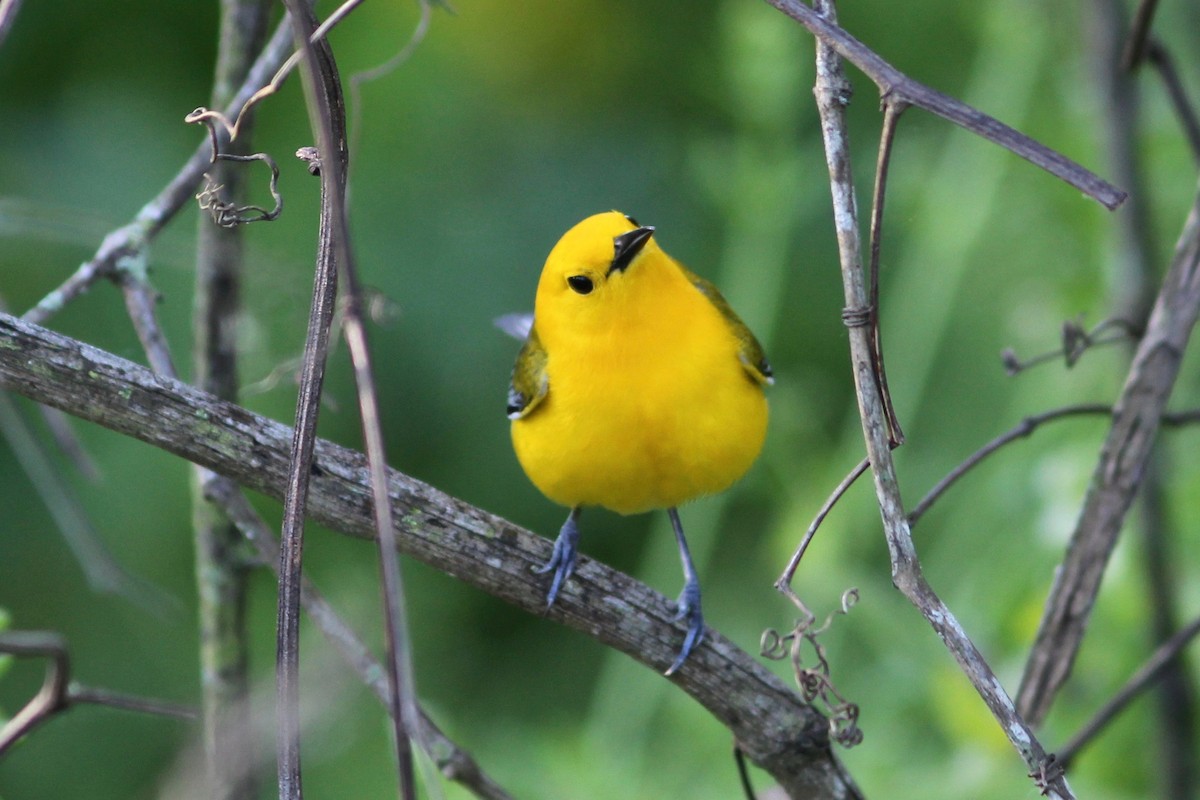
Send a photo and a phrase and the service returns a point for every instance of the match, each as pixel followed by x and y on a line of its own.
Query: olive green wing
pixel 750 352
pixel 529 383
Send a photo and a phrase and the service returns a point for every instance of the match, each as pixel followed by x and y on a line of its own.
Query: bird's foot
pixel 688 607
pixel 562 560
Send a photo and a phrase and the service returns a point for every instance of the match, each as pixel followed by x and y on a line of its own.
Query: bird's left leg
pixel 562 561
pixel 688 605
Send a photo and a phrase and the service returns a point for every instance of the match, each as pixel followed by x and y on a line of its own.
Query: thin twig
pixel 784 583
pixel 308 405
pixel 739 758
pixel 815 682
pixel 52 697
pixel 232 118
pixel 327 116
pixel 831 93
pixel 1143 678
pixel 1076 340
pixel 1175 704
pixel 366 76
pixel 58 693
pixel 1026 427
pixel 77 693
pixel 898 87
pixel 103 572
pixel 1109 43
pixel 229 214
pixel 140 299
pixel 892 109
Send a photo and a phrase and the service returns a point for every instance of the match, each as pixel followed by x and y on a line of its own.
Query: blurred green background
pixel 511 122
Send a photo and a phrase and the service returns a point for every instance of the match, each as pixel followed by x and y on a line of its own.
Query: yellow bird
pixel 637 388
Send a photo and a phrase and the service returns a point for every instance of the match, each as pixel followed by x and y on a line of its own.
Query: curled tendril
pixel 228 214
pixel 849 599
pixel 814 682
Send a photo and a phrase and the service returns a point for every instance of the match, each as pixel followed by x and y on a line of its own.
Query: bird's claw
pixel 688 607
pixel 562 560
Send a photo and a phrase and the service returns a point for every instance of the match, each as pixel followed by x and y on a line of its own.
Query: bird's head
pixel 600 271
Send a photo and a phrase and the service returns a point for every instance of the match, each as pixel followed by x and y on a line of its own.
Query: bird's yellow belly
pixel 636 437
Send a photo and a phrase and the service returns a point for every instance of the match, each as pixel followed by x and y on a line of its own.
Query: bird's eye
pixel 580 284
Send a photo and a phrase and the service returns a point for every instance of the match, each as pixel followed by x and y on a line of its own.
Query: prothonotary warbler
pixel 637 388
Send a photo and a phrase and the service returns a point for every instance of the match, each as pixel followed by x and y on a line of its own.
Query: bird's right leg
pixel 563 559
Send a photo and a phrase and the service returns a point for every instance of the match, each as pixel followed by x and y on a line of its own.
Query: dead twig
pixel 234 115
pixel 1025 428
pixel 1112 47
pixel 892 109
pixel 1076 340
pixel 221 571
pixel 402 55
pixel 101 570
pixel 327 117
pixel 59 692
pixel 229 214
pixel 1139 38
pixel 784 583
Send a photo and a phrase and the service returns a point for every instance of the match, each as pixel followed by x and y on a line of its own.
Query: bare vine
pixel 815 682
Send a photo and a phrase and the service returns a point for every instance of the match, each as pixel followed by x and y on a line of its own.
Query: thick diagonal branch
pixel 772 724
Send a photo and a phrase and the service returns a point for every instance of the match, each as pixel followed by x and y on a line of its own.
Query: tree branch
pixel 220 577
pixel 300 466
pixel 454 762
pixel 832 92
pixel 1118 474
pixel 896 87
pixel 1114 46
pixel 327 117
pixel 773 726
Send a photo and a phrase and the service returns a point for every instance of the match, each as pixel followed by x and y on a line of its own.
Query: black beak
pixel 627 246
